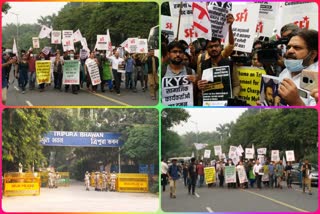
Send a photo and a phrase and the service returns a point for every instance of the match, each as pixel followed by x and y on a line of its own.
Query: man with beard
pixel 216 59
pixel 176 66
pixel 302 53
pixel 269 100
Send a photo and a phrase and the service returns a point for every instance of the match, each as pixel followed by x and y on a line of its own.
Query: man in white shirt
pixel 164 174
pixel 116 61
pixel 257 170
pixel 302 53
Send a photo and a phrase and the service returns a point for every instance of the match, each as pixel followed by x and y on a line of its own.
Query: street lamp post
pixel 17 15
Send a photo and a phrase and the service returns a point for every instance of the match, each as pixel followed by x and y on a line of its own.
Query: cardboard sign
pixel 249 153
pixel 210 175
pixel 262 151
pixel 67 34
pixel 217 150
pixel 56 37
pixel 93 71
pixel 290 155
pixel 218 18
pixel 275 155
pixel 43 71
pixel 230 174
pixel 133 45
pixel 71 72
pixel 177 91
pixel 207 153
pixel 35 42
pixel 219 89
pixel 142 46
pixel 102 43
pixel 67 44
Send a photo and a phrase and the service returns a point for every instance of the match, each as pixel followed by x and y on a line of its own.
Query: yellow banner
pixel 22 186
pixel 210 175
pixel 250 79
pixel 132 182
pixel 43 71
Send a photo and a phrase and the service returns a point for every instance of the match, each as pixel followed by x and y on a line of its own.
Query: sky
pixel 207 119
pixel 29 12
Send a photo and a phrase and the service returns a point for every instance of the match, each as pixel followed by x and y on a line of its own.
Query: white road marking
pixel 198 196
pixel 17 89
pixel 209 209
pixel 29 103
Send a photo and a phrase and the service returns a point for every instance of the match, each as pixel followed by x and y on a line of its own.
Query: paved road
pixel 53 97
pixel 236 200
pixel 75 199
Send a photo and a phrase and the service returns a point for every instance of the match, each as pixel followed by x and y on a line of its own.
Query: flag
pixel 14 48
pixel 201 20
pixel 77 36
pixel 109 41
pixel 45 32
pixel 284 161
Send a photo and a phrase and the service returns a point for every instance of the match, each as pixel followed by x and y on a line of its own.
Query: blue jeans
pixel 201 180
pixel 129 82
pixel 109 84
pixel 23 79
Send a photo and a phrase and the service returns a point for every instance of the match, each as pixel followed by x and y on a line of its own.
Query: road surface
pixel 217 199
pixel 76 199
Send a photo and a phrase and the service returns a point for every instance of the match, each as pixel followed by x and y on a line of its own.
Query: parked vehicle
pixel 296 170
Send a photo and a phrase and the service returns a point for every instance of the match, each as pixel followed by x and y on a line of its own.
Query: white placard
pixel 207 153
pixel 249 153
pixel 290 155
pixel 35 42
pixel 262 151
pixel 67 34
pixel 56 37
pixel 93 71
pixel 275 155
pixel 217 150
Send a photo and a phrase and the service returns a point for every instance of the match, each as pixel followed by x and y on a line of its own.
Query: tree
pixel 22 130
pixel 5 8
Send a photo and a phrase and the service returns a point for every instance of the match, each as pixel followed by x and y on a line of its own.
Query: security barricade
pixel 132 182
pixel 21 184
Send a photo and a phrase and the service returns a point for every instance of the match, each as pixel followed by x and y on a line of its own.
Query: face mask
pixel 295 65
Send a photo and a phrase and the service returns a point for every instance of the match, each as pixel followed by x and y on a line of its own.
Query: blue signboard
pixel 82 139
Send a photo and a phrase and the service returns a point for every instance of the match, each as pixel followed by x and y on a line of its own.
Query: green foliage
pixel 5 8
pixel 22 129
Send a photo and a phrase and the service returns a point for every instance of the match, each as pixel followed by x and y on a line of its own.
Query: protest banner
pixel 93 71
pixel 71 72
pixel 217 150
pixel 210 175
pixel 218 89
pixel 235 160
pixel 242 175
pixel 168 27
pixel 84 54
pixel 84 43
pixel 207 153
pixel 102 43
pixel 275 155
pixel 262 151
pixel 269 95
pixel 43 71
pixel 230 174
pixel 35 42
pixel 46 50
pixel 133 45
pixel 177 91
pixel 67 44
pixel 142 46
pixel 261 159
pixel 77 36
pixel 218 13
pixel 125 45
pixel 200 146
pixel 223 157
pixel 239 151
pixel 109 41
pixel 44 32
pixel 249 153
pixel 56 37
pixel 268 13
pixel 201 20
pixel 302 14
pixel 67 34
pixel 290 155
pixel 232 152
pixel 185 11
pixel 244 26
pixel 250 80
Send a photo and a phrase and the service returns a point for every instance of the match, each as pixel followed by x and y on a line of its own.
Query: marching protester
pixel 91 59
pixel 279 173
pixel 287 170
pixel 116 62
pixel 192 176
pixel 306 171
pixel 174 175
pixel 138 72
pixel 58 72
pixel 164 174
pixel 153 79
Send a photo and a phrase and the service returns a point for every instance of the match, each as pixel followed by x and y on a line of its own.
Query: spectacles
pixel 176 52
pixel 213 46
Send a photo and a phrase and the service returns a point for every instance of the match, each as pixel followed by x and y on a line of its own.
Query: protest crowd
pixel 231 63
pixel 225 173
pixel 73 68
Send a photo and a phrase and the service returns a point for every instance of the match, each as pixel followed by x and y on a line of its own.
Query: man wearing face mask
pixel 302 53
